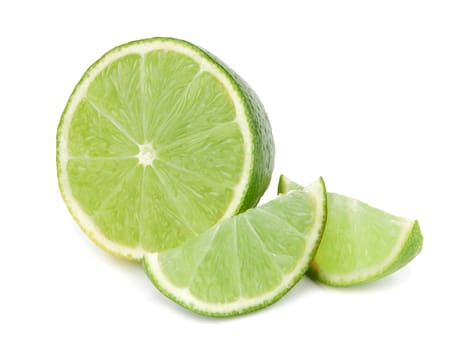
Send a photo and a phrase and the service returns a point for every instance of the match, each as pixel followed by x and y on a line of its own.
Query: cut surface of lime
pixel 246 262
pixel 360 243
pixel 157 143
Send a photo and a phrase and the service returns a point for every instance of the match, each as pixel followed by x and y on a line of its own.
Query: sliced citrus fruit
pixel 360 243
pixel 157 143
pixel 246 262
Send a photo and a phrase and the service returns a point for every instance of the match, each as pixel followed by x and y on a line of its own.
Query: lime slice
pixel 246 262
pixel 157 143
pixel 360 243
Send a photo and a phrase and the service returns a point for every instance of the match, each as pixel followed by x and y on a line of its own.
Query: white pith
pixel 146 154
pixel 183 295
pixel 141 48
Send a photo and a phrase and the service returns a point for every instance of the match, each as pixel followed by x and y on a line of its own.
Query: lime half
pixel 157 143
pixel 360 243
pixel 245 262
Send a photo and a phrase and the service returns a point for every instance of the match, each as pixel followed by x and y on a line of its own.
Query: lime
pixel 360 243
pixel 159 141
pixel 245 262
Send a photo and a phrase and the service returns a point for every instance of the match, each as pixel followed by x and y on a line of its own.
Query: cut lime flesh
pixel 360 243
pixel 245 262
pixel 157 143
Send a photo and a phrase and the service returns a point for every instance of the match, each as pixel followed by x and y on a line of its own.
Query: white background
pixel 378 97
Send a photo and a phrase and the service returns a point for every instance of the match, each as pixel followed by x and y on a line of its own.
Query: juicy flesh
pixel 154 150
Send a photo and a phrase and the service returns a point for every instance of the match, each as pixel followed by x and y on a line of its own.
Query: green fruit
pixel 158 142
pixel 360 243
pixel 245 262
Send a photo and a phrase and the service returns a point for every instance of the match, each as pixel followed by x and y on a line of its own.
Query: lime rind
pixel 410 249
pixel 261 133
pixel 183 296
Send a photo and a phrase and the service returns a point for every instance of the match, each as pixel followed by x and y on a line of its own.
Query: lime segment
pixel 360 243
pixel 247 261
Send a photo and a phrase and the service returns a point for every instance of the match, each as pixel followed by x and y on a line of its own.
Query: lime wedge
pixel 157 143
pixel 246 262
pixel 360 243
